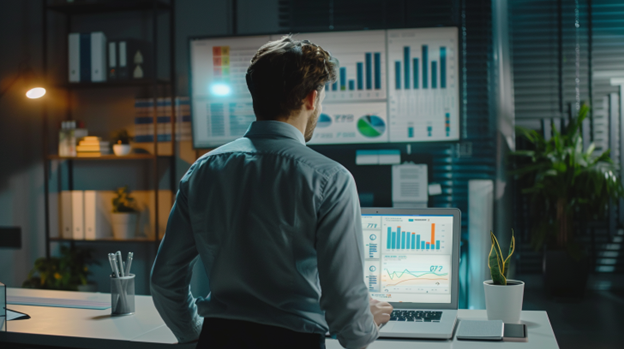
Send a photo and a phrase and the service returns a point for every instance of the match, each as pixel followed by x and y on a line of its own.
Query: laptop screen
pixel 408 257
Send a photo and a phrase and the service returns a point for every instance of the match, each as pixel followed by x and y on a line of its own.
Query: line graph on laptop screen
pixel 413 273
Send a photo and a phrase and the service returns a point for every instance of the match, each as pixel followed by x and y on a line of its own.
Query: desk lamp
pixel 34 85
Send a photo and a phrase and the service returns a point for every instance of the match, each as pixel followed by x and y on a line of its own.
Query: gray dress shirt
pixel 278 229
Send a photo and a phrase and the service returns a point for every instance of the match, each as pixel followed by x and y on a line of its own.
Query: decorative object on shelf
pixel 70 132
pixel 125 214
pixel 70 271
pixel 133 60
pixel 122 145
pixel 503 297
pixel 565 181
pixel 138 60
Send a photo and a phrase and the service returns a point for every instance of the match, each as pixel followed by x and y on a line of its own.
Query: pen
pixel 115 267
pixel 129 263
pixel 110 260
pixel 120 261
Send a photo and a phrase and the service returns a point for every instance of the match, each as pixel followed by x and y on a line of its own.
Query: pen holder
pixel 122 295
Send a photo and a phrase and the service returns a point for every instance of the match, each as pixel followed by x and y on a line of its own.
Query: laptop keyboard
pixel 416 315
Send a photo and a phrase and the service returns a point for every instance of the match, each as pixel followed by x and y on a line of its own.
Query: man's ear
pixel 309 101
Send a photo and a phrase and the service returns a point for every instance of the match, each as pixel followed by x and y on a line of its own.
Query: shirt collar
pixel 274 129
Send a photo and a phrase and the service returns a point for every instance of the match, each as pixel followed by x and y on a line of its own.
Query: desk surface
pixel 84 328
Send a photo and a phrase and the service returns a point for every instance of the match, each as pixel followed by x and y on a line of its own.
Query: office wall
pixel 21 168
pixel 21 165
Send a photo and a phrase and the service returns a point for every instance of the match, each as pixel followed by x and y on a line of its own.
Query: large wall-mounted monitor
pixel 394 86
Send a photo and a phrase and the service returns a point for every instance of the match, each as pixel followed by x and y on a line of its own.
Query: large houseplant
pixel 566 182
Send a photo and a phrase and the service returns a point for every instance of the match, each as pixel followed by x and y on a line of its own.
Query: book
pixel 491 330
pixel 112 60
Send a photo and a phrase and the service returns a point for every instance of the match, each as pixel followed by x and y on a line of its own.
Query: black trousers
pixel 222 334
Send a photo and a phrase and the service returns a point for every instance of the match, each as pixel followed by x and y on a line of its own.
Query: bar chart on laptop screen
pixel 420 235
pixel 423 85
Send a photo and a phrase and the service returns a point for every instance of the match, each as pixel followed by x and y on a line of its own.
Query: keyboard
pixel 416 315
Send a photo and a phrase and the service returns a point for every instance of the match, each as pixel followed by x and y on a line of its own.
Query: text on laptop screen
pixel 408 257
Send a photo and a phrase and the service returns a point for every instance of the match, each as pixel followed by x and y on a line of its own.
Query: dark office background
pixel 525 60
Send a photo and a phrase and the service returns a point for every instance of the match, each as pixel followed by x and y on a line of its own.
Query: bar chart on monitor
pixel 423 85
pixel 362 64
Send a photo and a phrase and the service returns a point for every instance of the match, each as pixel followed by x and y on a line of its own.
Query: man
pixel 276 225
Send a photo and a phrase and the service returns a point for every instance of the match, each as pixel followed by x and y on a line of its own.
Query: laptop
pixel 412 262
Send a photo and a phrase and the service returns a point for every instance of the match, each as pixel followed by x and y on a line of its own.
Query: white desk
pixel 83 328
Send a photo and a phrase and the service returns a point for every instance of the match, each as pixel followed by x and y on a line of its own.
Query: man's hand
pixel 381 311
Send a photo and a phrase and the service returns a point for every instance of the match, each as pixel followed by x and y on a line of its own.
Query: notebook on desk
pixel 412 262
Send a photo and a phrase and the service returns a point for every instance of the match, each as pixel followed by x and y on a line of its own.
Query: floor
pixel 595 322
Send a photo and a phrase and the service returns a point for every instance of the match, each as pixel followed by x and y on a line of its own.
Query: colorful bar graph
pixel 405 240
pixel 442 67
pixel 397 74
pixel 406 66
pixel 351 85
pixel 434 74
pixel 343 78
pixel 368 59
pixel 360 75
pixel 425 66
pixel 415 73
pixel 377 71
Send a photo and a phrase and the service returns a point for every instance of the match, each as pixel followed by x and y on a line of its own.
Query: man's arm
pixel 171 274
pixel 339 246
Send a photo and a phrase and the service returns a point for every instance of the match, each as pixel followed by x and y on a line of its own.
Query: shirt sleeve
pixel 171 274
pixel 340 254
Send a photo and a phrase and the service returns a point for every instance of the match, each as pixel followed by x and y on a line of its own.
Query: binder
pixel 65 231
pixel 77 205
pixel 112 60
pixel 123 62
pixel 97 225
pixel 87 57
pixel 98 57
pixel 74 57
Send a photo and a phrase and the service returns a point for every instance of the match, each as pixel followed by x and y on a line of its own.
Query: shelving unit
pixel 111 7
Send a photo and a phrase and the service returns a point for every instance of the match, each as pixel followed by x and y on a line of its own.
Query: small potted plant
pixel 70 271
pixel 121 143
pixel 503 296
pixel 124 214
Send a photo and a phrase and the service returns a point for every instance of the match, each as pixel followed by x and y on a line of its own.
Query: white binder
pixel 66 231
pixel 97 225
pixel 74 57
pixel 98 57
pixel 77 204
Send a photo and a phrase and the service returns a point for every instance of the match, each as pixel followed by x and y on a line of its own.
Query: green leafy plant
pixel 121 137
pixel 564 180
pixel 123 202
pixel 62 273
pixel 499 266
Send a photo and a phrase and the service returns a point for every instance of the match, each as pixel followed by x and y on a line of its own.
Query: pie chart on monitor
pixel 371 126
pixel 324 121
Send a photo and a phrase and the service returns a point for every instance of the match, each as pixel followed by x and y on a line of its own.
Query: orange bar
pixel 433 234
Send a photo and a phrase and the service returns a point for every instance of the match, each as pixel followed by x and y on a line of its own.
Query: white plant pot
pixel 124 225
pixel 504 302
pixel 121 149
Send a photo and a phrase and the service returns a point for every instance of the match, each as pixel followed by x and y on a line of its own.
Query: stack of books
pixel 92 146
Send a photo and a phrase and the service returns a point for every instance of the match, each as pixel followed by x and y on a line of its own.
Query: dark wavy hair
pixel 283 72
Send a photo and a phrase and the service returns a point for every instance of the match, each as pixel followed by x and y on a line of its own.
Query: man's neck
pixel 298 120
